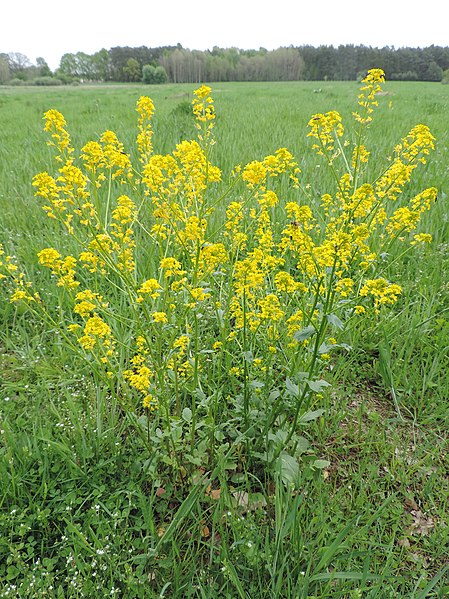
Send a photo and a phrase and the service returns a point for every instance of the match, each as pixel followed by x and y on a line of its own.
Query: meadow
pixel 257 482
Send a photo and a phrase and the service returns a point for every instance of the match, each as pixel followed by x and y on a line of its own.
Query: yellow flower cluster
pixel 381 290
pixel 87 302
pixel 168 273
pixel 204 111
pixel 97 334
pixel 235 226
pixel 177 184
pixel 63 268
pixel 367 96
pixel 145 109
pixel 326 128
pixel 55 124
pixel 106 155
pixel 20 288
pixel 140 376
pixel 412 150
pixel 149 287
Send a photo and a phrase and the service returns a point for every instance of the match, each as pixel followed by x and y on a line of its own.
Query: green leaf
pixel 185 510
pixel 256 384
pixel 248 355
pixel 200 395
pixel 317 386
pixel 12 572
pixel 302 445
pixel 187 414
pixel 320 464
pixel 196 460
pixel 344 346
pixel 335 321
pixel 289 468
pixel 302 376
pixel 308 416
pixel 274 395
pixel 305 333
pixel 291 387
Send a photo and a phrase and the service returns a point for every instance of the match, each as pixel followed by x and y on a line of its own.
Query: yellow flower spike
pixel 403 219
pixel 46 186
pixel 422 238
pixel 286 283
pixel 235 371
pixel 202 92
pixel 55 124
pixel 381 290
pixel 150 403
pixel 360 154
pixel 254 173
pixel 181 344
pixel 151 288
pixel 199 294
pixel 424 200
pixel 270 308
pixel 368 92
pixel 326 128
pixel 115 158
pixel 145 109
pixel 49 257
pixel 125 212
pixel 159 317
pixel 19 295
pixel 93 156
pixel 268 200
pixel 171 267
pixel 204 111
pixel 344 287
pixel 247 277
pixel 97 334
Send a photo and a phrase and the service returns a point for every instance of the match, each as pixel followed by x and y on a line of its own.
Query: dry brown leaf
pixel 205 532
pixel 215 494
pixel 249 502
pixel 421 525
pixel 242 498
pixel 410 504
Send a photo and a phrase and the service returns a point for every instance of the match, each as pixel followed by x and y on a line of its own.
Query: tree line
pixel 180 65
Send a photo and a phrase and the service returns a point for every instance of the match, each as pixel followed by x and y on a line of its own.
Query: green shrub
pixel 47 81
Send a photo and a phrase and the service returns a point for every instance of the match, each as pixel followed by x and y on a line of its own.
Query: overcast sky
pixel 50 28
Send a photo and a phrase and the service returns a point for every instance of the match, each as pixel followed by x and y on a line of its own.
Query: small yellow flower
pixel 235 371
pixel 149 402
pixel 381 290
pixel 149 287
pixel 49 257
pixel 160 317
pixel 422 238
pixel 254 173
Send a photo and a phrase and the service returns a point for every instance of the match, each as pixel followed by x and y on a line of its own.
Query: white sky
pixel 50 28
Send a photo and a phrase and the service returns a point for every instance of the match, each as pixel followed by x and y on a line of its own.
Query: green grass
pixel 81 512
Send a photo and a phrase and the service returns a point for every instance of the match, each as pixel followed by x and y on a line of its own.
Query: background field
pixel 76 508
